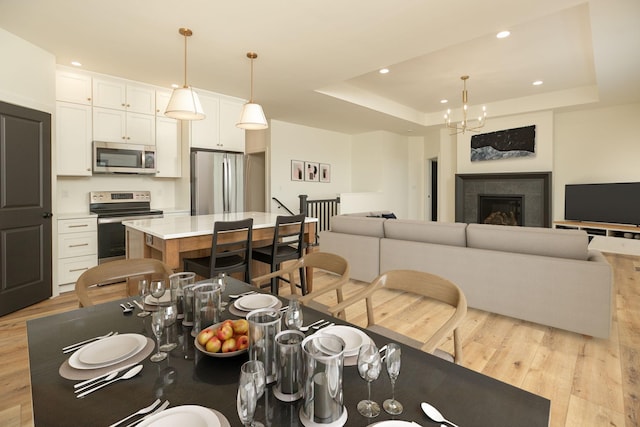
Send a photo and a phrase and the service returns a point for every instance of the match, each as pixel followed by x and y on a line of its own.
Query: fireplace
pixel 521 198
pixel 500 209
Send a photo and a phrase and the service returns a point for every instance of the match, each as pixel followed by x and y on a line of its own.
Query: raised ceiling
pixel 318 60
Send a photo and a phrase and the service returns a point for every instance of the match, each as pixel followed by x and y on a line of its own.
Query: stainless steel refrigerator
pixel 217 182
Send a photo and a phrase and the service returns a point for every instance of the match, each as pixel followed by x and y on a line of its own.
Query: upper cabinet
pixel 218 130
pixel 73 87
pixel 73 136
pixel 123 95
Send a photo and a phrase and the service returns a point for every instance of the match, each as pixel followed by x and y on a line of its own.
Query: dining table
pixel 190 377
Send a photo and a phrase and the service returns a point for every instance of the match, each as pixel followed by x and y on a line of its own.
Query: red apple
pixel 229 345
pixel 227 322
pixel 213 345
pixel 242 342
pixel 225 332
pixel 241 326
pixel 204 336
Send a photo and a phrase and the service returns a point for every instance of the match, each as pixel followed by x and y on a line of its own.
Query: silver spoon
pixel 126 309
pixel 127 375
pixel 434 414
pixel 306 328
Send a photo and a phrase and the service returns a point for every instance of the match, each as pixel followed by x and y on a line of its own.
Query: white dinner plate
pixel 395 423
pixel 185 415
pixel 255 301
pixel 108 351
pixel 151 300
pixel 352 337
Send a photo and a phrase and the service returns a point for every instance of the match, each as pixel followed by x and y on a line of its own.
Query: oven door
pixel 112 239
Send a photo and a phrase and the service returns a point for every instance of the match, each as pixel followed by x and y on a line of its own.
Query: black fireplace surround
pixel 533 189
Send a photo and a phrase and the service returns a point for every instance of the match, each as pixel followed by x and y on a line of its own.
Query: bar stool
pixel 230 251
pixel 288 244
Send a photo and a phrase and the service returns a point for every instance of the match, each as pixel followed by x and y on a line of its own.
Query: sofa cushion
pixel 443 233
pixel 571 244
pixel 362 226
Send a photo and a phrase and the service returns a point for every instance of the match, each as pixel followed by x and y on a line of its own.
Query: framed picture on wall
pixel 325 172
pixel 297 170
pixel 311 171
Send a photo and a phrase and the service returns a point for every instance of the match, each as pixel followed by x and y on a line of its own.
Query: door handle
pixel 47 215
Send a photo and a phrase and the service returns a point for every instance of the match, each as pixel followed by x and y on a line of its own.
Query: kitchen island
pixel 172 239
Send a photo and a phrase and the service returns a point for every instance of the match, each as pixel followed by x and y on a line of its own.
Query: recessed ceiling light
pixel 444 101
pixel 76 64
pixel 175 86
pixel 537 82
pixel 383 71
pixel 503 34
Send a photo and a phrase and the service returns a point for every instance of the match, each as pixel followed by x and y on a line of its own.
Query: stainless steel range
pixel 113 207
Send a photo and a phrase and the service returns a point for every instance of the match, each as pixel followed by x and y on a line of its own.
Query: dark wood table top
pixel 465 397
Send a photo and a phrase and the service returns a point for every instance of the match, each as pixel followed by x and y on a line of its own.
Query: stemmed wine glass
pixel 143 291
pixel 369 367
pixel 170 314
pixel 157 325
pixel 157 290
pixel 250 387
pixel 392 362
pixel 293 314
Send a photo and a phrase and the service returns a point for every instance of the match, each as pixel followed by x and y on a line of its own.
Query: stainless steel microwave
pixel 115 157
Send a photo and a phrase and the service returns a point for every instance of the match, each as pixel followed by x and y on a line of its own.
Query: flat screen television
pixel 617 203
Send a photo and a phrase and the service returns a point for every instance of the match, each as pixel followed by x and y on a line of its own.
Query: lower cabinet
pixel 77 248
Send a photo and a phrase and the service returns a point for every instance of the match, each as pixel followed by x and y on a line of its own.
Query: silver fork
pixel 160 409
pixel 142 411
pixel 323 325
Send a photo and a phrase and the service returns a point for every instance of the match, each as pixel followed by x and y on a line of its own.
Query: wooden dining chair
pixel 423 285
pixel 230 251
pixel 335 267
pixel 118 271
pixel 287 244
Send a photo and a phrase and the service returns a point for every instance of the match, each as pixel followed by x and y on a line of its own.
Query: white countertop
pixel 199 225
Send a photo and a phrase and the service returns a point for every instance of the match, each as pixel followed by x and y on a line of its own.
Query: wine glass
pixel 392 362
pixel 157 290
pixel 170 314
pixel 143 291
pixel 157 325
pixel 256 368
pixel 248 394
pixel 293 314
pixel 369 367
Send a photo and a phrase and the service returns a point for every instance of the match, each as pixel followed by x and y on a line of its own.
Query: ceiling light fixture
pixel 383 71
pixel 465 125
pixel 537 83
pixel 76 64
pixel 503 34
pixel 184 103
pixel 252 116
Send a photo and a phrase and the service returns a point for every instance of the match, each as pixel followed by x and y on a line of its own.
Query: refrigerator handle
pixel 225 183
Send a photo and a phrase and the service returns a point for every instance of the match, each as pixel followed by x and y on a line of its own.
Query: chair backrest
pixel 229 246
pixel 423 284
pixel 289 230
pixel 115 271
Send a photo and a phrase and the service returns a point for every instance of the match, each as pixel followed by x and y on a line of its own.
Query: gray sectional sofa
pixel 542 275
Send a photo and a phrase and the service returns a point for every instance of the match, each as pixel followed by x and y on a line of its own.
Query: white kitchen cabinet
pixel 168 148
pixel 77 248
pixel 162 100
pixel 231 137
pixel 122 126
pixel 73 139
pixel 206 133
pixel 218 130
pixel 73 87
pixel 123 95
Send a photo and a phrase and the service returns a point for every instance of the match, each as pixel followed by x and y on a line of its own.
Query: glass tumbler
pixel 206 306
pixel 264 325
pixel 177 282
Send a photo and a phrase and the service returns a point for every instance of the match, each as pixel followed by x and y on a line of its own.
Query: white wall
pixel 594 146
pixel 381 164
pixel 295 142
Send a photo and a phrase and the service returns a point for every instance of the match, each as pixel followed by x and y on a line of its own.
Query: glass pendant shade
pixel 184 105
pixel 252 117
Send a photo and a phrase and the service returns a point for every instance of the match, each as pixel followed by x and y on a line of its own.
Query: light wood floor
pixel 590 382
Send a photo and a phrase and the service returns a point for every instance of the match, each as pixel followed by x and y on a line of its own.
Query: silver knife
pixel 160 409
pixel 89 381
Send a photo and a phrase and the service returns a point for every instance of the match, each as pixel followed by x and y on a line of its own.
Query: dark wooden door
pixel 25 207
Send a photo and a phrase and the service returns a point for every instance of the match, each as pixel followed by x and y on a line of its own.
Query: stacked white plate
pixel 255 301
pixel 108 351
pixel 353 338
pixel 151 300
pixel 185 415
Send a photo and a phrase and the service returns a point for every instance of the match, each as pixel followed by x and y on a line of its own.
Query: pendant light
pixel 252 116
pixel 184 103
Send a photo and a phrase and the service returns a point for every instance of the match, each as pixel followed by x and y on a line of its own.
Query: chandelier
pixel 465 125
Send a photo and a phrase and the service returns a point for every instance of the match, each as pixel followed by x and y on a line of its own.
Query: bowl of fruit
pixel 226 339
